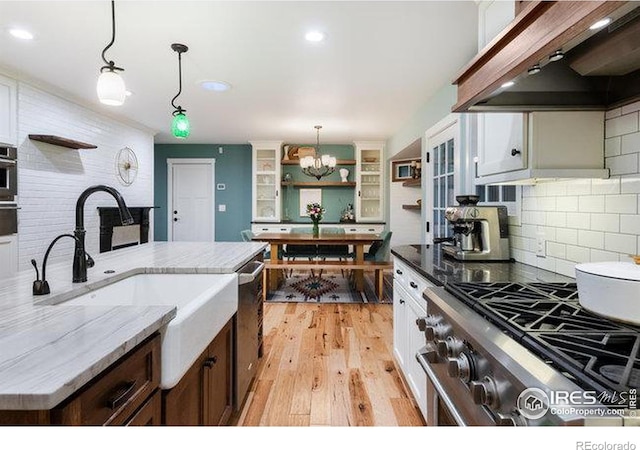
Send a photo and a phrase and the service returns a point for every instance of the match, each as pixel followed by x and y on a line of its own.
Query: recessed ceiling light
pixel 600 23
pixel 556 56
pixel 213 85
pixel 314 36
pixel 20 33
pixel 534 69
pixel 508 84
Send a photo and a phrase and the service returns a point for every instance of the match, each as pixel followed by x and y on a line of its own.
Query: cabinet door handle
pixel 210 362
pixel 399 272
pixel 120 395
pixel 276 192
pixel 358 193
pixel 515 152
pixel 413 285
pixel 401 302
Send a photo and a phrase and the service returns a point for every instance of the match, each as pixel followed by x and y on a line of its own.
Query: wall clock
pixel 126 166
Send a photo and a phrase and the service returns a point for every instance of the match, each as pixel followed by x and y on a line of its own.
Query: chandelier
pixel 318 166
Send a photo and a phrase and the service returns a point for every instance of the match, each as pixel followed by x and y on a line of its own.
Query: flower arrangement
pixel 315 212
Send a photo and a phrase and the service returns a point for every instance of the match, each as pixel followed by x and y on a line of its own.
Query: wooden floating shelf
pixel 412 207
pixel 414 182
pixel 320 184
pixel 339 162
pixel 60 141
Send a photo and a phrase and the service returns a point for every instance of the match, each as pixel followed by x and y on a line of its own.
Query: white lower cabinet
pixel 408 306
pixel 8 255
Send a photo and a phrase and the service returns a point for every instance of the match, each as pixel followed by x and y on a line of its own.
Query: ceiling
pixel 380 62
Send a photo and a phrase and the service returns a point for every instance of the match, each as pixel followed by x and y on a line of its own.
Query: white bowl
pixel 610 289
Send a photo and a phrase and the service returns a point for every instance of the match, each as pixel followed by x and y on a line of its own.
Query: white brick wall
pixel 587 220
pixel 52 177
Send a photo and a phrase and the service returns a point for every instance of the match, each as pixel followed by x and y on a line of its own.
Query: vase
pixel 316 229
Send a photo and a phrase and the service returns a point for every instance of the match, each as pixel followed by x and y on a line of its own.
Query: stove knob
pixel 450 347
pixel 512 419
pixel 424 322
pixel 437 332
pixel 460 367
pixel 485 392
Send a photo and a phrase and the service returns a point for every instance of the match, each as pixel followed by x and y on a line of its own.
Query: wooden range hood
pixel 600 70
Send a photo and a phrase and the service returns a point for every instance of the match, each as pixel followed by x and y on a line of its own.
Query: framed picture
pixel 402 170
pixel 309 196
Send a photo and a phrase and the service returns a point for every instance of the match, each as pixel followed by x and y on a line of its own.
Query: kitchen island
pixel 51 350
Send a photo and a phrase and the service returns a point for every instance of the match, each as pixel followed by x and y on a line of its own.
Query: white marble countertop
pixel 49 350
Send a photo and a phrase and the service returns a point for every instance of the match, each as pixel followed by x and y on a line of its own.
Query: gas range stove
pixel 546 318
pixel 501 339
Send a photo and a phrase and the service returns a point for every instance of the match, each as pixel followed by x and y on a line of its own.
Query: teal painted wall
pixel 334 199
pixel 233 168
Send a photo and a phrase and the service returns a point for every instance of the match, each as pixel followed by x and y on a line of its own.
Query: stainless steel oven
pixel 8 173
pixel 489 358
pixel 8 219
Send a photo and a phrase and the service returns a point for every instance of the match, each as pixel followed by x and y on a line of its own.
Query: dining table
pixel 357 240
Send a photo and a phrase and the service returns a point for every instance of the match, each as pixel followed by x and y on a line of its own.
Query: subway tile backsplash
pixel 587 220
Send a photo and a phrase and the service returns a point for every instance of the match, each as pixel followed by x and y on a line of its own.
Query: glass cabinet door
pixel 370 181
pixel 266 181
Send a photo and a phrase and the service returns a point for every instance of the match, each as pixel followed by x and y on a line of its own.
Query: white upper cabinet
pixel 266 204
pixel 8 112
pixel 500 143
pixel 493 17
pixel 556 145
pixel 499 134
pixel 369 181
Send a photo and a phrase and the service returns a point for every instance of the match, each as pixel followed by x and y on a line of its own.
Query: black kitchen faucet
pixel 79 255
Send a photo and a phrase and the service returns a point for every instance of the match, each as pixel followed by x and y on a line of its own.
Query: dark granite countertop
pixel 429 261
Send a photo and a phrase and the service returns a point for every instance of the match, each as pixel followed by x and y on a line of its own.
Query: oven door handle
pixel 420 356
pixel 7 208
pixel 7 162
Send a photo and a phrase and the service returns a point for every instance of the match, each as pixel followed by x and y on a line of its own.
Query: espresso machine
pixel 481 233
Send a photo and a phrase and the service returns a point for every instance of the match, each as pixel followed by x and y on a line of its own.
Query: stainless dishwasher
pixel 248 342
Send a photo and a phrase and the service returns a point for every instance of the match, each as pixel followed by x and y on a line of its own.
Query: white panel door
pixel 192 202
pixel 501 144
pixel 8 111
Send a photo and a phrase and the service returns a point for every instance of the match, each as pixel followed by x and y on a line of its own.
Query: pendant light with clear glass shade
pixel 110 88
pixel 318 166
pixel 180 126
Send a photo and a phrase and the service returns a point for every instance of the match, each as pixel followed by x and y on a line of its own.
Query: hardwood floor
pixel 328 364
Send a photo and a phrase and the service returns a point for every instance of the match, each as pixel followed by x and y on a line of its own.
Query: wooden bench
pixel 377 266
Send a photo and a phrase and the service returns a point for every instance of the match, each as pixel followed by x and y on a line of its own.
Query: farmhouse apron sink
pixel 205 303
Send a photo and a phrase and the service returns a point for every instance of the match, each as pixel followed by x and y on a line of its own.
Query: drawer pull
pixel 399 272
pixel 120 395
pixel 413 285
pixel 401 302
pixel 210 362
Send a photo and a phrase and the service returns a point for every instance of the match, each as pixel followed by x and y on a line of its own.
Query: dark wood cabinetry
pixel 121 395
pixel 204 394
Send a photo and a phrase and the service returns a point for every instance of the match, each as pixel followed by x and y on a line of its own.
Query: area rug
pixel 330 287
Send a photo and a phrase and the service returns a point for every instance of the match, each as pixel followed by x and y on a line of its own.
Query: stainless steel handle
pixel 10 207
pixel 7 162
pixel 244 278
pixel 440 390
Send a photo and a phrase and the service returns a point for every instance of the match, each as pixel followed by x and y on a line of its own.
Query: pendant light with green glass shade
pixel 180 126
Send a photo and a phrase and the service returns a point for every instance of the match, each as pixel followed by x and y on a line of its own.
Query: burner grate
pixel 610 361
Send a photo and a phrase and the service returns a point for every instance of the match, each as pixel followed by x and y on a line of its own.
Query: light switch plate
pixel 222 208
pixel 541 246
